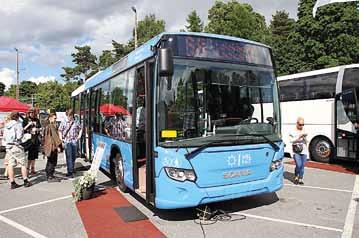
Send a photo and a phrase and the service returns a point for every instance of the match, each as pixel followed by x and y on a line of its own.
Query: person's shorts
pixel 5 161
pixel 15 155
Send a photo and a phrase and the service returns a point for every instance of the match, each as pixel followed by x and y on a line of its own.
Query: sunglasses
pixel 300 124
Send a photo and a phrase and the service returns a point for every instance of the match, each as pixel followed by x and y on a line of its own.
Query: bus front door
pixel 143 146
pixel 346 131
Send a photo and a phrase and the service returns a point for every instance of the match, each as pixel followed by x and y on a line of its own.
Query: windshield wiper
pixel 274 146
pixel 202 147
pixel 199 149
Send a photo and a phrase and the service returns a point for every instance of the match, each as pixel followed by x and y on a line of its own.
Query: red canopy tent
pixel 8 104
pixel 111 109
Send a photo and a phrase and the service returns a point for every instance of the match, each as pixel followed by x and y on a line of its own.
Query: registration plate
pixel 239 173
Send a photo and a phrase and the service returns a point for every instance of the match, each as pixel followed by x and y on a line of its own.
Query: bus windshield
pixel 212 99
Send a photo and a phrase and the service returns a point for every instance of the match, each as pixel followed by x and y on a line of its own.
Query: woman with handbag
pixel 52 145
pixel 300 150
pixel 32 127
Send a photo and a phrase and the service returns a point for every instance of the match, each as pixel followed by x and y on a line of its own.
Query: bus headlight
pixel 276 164
pixel 181 174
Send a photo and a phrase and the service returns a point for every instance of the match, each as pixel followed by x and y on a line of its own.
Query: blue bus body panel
pixel 211 167
pixel 126 152
pixel 97 78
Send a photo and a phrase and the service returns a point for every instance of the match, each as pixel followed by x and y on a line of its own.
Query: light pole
pixel 17 73
pixel 135 11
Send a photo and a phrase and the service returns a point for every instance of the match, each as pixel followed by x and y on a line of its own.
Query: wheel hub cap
pixel 323 149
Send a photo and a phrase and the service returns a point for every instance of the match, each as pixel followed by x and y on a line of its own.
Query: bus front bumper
pixel 171 194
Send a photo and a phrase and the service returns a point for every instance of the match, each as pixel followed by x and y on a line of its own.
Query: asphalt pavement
pixel 42 210
pixel 323 207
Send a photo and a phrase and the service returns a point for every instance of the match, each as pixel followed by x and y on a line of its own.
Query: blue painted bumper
pixel 171 194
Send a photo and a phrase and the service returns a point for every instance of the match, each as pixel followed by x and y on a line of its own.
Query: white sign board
pixel 96 162
pixel 61 116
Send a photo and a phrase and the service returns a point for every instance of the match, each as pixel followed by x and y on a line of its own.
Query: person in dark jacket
pixel 52 145
pixel 32 126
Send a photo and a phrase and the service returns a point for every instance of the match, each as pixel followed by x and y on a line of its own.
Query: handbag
pixel 297 148
pixel 26 145
pixel 26 141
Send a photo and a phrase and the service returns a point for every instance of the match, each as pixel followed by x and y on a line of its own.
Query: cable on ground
pixel 207 217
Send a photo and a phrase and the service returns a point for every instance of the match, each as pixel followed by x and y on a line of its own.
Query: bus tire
pixel 117 171
pixel 321 149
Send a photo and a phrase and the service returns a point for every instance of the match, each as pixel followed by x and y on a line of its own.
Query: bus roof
pixel 144 52
pixel 316 72
pixel 78 90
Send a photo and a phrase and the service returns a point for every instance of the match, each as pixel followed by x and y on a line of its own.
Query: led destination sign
pixel 220 49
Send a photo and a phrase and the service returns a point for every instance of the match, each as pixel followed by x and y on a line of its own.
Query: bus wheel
pixel 117 172
pixel 321 150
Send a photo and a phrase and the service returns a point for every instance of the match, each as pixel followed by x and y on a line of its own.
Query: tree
pixel 11 92
pixel 54 95
pixel 27 90
pixel 120 50
pixel 329 39
pixel 195 23
pixel 281 25
pixel 147 29
pixel 2 89
pixel 236 19
pixel 85 65
pixel 106 59
pixel 281 30
pixel 67 89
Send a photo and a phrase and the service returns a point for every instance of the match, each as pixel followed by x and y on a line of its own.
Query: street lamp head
pixel 134 9
pixel 16 49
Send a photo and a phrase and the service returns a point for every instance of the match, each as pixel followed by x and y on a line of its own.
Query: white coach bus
pixel 327 99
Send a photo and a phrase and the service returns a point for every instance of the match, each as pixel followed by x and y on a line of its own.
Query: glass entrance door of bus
pixel 139 152
pixel 347 125
pixel 143 144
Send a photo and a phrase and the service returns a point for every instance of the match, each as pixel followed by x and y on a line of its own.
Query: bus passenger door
pixel 346 119
pixel 86 125
pixel 143 145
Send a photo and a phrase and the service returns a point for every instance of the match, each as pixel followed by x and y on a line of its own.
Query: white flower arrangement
pixel 82 183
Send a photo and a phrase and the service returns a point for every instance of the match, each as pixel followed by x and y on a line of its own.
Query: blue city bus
pixel 186 119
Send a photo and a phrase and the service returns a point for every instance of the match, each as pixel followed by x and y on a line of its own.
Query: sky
pixel 46 31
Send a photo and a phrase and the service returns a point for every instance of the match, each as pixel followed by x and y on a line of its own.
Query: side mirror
pixel 165 58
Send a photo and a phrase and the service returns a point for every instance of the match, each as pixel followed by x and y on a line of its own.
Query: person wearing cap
pixel 32 126
pixel 15 154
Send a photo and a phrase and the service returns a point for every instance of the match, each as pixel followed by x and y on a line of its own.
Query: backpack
pixel 9 134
